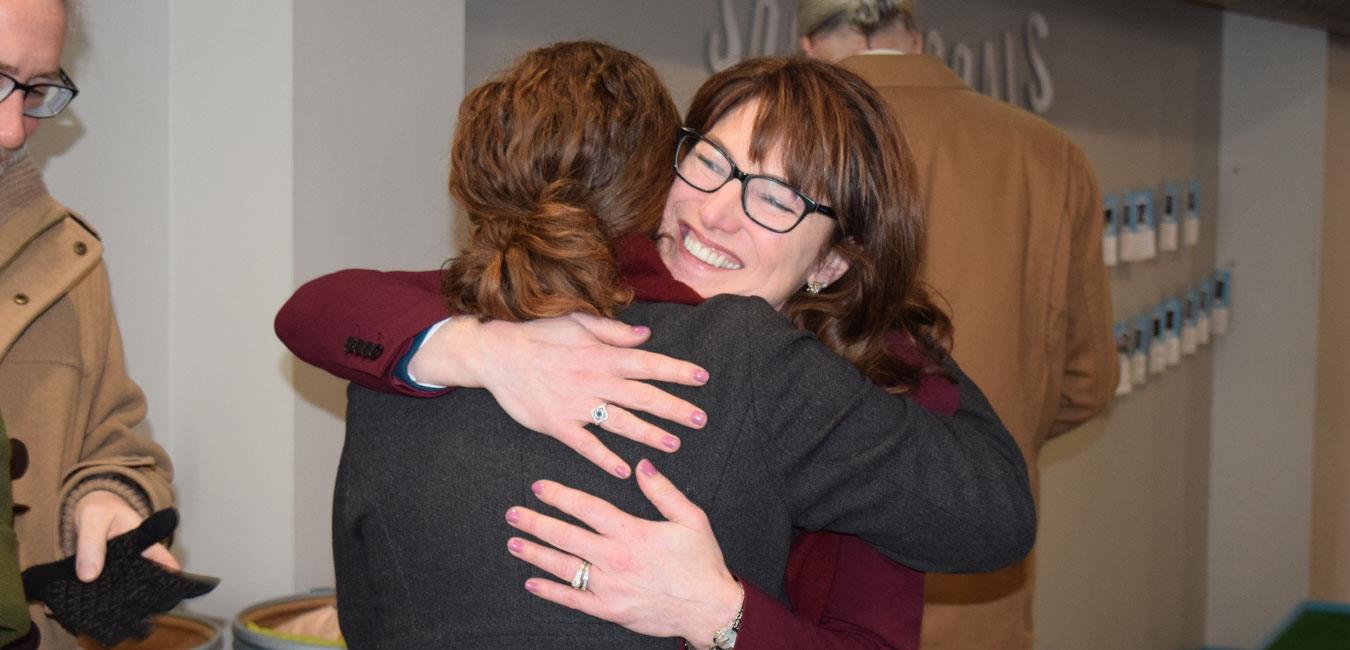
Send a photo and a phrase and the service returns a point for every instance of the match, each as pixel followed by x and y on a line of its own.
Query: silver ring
pixel 600 413
pixel 582 579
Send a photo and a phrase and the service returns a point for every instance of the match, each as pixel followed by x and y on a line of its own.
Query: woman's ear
pixel 833 267
pixel 808 48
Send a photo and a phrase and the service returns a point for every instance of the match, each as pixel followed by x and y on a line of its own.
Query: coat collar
pixel 904 71
pixel 640 264
pixel 44 251
pixel 26 210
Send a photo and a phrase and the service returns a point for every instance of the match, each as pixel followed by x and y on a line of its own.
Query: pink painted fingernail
pixel 699 418
pixel 670 442
pixel 646 467
pixel 537 488
pixel 642 330
pixel 622 471
pixel 701 376
pixel 515 545
pixel 531 586
pixel 513 516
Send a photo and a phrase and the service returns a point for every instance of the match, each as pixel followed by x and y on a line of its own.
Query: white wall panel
pixel 1272 126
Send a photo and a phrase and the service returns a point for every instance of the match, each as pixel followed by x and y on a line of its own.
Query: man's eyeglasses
pixel 768 201
pixel 43 99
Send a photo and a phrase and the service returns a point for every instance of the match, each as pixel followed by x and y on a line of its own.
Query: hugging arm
pixel 668 578
pixel 860 600
pixel 944 494
pixel 358 323
pixel 546 374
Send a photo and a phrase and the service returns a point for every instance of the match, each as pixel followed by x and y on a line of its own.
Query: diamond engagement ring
pixel 583 577
pixel 600 413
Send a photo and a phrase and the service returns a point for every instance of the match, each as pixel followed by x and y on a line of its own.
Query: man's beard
pixel 8 157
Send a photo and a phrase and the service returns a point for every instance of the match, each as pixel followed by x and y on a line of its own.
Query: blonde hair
pixel 816 16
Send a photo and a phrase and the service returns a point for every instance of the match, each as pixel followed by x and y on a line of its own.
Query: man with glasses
pixel 1014 245
pixel 80 474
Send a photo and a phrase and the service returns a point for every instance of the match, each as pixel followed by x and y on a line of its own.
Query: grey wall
pixel 1123 504
pixel 123 105
pixel 1270 197
pixel 376 93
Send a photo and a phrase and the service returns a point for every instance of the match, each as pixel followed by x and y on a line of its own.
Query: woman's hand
pixel 659 578
pixel 549 374
pixel 98 517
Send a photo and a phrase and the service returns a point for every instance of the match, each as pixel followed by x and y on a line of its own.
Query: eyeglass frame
pixel 736 173
pixel 65 82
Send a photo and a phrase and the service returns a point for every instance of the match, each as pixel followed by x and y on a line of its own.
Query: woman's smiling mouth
pixel 707 255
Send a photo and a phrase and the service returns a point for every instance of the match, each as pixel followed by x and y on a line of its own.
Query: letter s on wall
pixel 1040 89
pixel 720 61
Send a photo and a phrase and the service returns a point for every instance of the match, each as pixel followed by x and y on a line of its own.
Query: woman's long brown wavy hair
pixel 841 145
pixel 551 160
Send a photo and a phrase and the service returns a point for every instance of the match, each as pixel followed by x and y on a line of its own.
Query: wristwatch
pixel 726 637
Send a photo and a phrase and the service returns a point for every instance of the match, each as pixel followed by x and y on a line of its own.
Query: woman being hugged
pixel 795 436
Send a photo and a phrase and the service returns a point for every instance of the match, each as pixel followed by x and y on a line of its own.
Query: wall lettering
pixel 994 72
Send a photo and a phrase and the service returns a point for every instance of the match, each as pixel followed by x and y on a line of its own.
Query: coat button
pixel 20 298
pixel 80 248
pixel 18 459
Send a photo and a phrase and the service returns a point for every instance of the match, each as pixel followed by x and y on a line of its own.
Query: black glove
pixel 122 601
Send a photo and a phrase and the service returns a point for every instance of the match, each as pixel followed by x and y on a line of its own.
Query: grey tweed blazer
pixel 797 439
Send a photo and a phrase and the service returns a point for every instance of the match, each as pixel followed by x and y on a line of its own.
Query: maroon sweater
pixel 844 593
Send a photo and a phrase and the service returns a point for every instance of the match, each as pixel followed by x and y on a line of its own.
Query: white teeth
pixel 707 255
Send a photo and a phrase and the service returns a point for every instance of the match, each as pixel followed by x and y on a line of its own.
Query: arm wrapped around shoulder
pixel 935 493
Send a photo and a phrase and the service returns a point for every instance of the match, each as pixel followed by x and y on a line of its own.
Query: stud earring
pixel 815 286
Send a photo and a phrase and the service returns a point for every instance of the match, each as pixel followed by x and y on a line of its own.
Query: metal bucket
pixel 173 631
pixel 265 617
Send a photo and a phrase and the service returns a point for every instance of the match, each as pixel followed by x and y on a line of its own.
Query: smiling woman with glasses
pixel 42 99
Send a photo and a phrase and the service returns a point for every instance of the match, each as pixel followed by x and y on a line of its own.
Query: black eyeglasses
pixel 768 201
pixel 40 100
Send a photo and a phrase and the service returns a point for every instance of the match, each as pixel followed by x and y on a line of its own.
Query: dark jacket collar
pixel 641 265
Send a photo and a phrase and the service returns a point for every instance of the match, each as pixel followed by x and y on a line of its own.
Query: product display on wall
pixel 1139 358
pixel 1169 227
pixel 1136 232
pixel 1148 234
pixel 1111 231
pixel 1191 227
pixel 1125 385
pixel 1157 351
pixel 1190 323
pixel 1202 330
pixel 1172 330
pixel 1223 289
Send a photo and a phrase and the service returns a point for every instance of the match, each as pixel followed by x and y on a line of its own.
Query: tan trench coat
pixel 1014 244
pixel 64 390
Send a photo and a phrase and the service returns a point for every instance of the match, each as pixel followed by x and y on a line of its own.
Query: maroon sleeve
pixel 358 323
pixel 871 603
